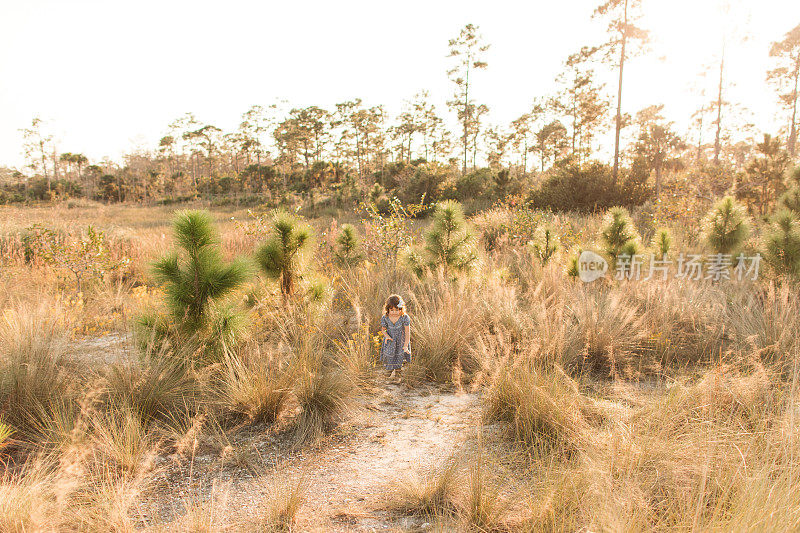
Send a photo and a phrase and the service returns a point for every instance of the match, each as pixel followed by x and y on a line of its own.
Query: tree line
pixel 353 146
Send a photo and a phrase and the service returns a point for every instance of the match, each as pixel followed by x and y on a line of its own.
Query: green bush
pixel 619 234
pixel 429 180
pixel 449 243
pixel 791 200
pixel 726 226
pixel 588 188
pixel 197 281
pixel 782 244
pixel 474 185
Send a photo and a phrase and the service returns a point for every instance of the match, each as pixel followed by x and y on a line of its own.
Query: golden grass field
pixel 534 402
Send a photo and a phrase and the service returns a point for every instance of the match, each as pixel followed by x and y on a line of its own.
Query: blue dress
pixel 392 354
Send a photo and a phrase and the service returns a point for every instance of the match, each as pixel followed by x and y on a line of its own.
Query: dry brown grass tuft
pixel 324 391
pixel 34 372
pixel 428 491
pixel 254 386
pixel 543 409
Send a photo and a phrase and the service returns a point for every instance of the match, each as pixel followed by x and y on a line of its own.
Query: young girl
pixel 396 328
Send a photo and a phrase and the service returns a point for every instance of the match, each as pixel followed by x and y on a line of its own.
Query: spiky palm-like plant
pixel 662 242
pixel 619 234
pixel 196 276
pixel 782 244
pixel 347 252
pixel 726 226
pixel 449 242
pixel 545 245
pixel 791 200
pixel 283 257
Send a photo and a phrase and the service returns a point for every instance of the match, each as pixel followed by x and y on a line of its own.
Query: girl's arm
pixel 383 329
pixel 407 337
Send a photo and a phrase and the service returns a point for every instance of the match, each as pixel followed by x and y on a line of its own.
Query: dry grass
pixel 543 409
pixel 254 387
pixel 706 442
pixel 428 491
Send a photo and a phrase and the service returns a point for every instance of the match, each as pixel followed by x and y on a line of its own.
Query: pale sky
pixel 109 75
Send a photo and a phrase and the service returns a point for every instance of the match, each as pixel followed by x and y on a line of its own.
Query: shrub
pixel 474 185
pixel 619 234
pixel 348 252
pixel 782 244
pixel 197 281
pixel 588 188
pixel 427 180
pixel 726 226
pixel 449 242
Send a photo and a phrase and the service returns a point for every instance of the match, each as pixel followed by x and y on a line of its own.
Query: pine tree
pixel 197 280
pixel 198 276
pixel 348 252
pixel 449 243
pixel 726 226
pixel 573 266
pixel 284 256
pixel 791 200
pixel 545 245
pixel 662 242
pixel 782 244
pixel 619 234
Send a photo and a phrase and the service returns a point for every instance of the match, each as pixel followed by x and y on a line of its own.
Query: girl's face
pixel 394 312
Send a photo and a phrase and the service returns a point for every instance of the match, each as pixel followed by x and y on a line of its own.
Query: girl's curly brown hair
pixel 394 300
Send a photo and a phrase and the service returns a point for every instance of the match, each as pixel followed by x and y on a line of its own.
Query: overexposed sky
pixel 109 75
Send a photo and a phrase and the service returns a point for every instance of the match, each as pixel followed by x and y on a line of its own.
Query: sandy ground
pixel 347 476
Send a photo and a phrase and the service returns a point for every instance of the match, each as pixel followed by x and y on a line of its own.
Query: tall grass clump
pixel 607 335
pixel 35 374
pixel 153 389
pixel 428 491
pixel 254 387
pixel 324 391
pixel 443 331
pixel 543 409
pixel 763 324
